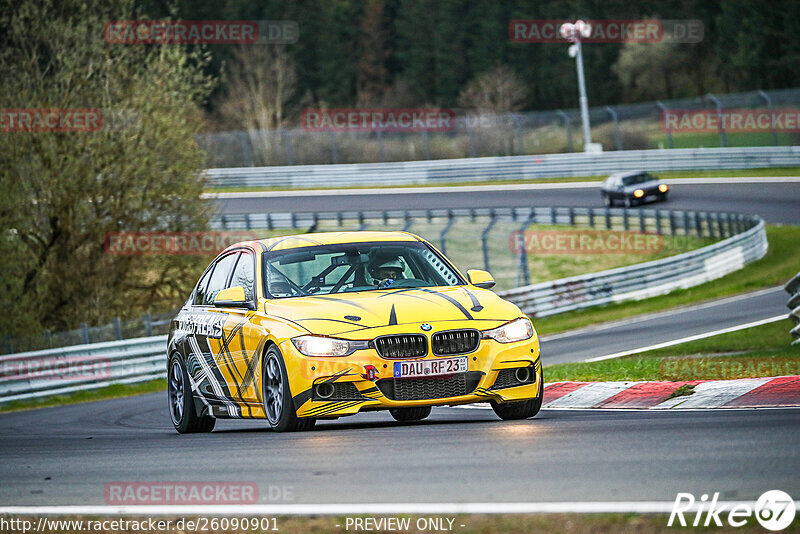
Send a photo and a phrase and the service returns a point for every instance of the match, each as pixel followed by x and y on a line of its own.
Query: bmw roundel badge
pixel 426 327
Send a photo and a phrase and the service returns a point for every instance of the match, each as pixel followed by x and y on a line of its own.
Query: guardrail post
pixel 148 324
pixel 84 333
pixel 710 226
pixel 659 229
pixel 685 223
pixel 664 112
pixel 443 235
pixel 768 100
pixel 409 221
pixel 625 224
pixel 117 328
pixel 671 222
pixel 567 127
pixel 617 133
pixel 642 223
pixel 362 224
pixel 698 224
pixel 591 217
pixel 608 218
pixel 723 140
pixel 485 239
pixel 571 212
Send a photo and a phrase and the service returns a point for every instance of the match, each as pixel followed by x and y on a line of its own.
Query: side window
pixel 219 278
pixel 244 275
pixel 199 296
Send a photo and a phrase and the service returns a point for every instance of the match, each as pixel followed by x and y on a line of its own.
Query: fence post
pixel 567 127
pixel 426 140
pixel 485 239
pixel 148 324
pixel 664 112
pixel 617 133
pixel 117 328
pixel 287 144
pixel 518 134
pixel 723 140
pixel 247 149
pixel 334 148
pixel 381 147
pixel 768 100
pixel 523 275
pixel 443 235
pixel 84 333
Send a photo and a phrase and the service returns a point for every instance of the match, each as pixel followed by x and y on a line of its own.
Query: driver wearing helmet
pixel 386 270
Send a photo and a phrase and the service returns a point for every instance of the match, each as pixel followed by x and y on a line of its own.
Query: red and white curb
pixel 769 392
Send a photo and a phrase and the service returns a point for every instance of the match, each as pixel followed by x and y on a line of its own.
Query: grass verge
pixel 465 524
pixel 759 351
pixel 109 392
pixel 781 263
pixel 666 175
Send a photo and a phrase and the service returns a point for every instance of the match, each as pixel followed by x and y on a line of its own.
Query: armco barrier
pixel 134 360
pixel 504 168
pixel 793 288
pixel 40 373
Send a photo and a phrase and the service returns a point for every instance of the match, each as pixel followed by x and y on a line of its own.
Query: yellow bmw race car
pixel 319 326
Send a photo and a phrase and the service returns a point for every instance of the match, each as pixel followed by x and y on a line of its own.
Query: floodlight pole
pixel 587 134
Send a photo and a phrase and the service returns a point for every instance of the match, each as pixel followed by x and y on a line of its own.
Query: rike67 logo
pixel 774 510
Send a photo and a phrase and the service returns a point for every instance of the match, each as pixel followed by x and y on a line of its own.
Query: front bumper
pixel 363 381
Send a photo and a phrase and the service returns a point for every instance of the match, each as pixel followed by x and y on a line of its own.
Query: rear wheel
pixel 410 414
pixel 181 403
pixel 278 405
pixel 520 410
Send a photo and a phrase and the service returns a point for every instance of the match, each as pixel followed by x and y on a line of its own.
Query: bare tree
pixel 498 91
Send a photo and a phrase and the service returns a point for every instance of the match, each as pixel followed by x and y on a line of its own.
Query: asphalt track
pixel 67 455
pixel 776 202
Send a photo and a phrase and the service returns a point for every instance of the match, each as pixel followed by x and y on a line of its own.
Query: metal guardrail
pixel 793 288
pixel 82 367
pixel 503 168
pixel 28 375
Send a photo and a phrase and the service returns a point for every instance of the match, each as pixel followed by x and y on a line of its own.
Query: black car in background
pixel 633 187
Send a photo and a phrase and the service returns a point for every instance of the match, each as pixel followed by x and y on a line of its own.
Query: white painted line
pixel 590 395
pixel 687 339
pixel 559 507
pixel 658 315
pixel 714 394
pixel 391 190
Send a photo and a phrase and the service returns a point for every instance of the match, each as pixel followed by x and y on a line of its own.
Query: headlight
pixel 663 188
pixel 516 330
pixel 327 346
pixel 638 193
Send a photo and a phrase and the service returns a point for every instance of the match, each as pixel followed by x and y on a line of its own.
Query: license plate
pixel 651 197
pixel 421 368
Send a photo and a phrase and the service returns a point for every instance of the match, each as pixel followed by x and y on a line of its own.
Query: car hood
pixel 652 184
pixel 354 312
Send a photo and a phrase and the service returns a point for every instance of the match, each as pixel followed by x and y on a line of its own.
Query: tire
pixel 664 197
pixel 181 402
pixel 410 414
pixel 523 409
pixel 277 397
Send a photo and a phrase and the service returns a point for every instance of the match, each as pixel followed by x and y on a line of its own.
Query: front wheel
pixel 410 414
pixel 607 201
pixel 277 397
pixel 181 404
pixel 523 409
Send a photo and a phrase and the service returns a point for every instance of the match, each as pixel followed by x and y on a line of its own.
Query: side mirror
pixel 233 297
pixel 480 279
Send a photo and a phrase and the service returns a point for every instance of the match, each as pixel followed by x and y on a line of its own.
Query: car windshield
pixel 339 268
pixel 637 179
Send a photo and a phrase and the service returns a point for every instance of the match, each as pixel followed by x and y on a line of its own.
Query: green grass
pixel 109 392
pixel 743 354
pixel 666 175
pixel 781 263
